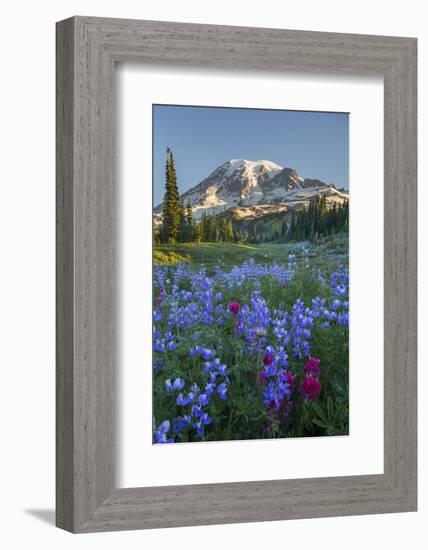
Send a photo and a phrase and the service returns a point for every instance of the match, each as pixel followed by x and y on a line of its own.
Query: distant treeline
pixel 317 220
pixel 310 223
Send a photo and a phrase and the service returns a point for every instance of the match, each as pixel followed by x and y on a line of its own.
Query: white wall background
pixel 27 272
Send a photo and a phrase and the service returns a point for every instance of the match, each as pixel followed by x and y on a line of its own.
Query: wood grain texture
pixel 87 50
pixel 64 276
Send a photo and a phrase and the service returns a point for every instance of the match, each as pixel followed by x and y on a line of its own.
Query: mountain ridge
pixel 255 188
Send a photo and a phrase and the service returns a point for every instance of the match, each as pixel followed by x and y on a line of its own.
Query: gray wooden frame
pixel 87 50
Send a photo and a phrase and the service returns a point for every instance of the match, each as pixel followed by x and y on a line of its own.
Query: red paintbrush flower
pixel 312 366
pixel 234 308
pixel 311 388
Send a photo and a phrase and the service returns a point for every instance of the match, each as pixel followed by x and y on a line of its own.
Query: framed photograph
pixel 236 274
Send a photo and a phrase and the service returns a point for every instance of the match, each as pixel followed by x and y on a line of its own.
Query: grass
pixel 169 257
pixel 230 254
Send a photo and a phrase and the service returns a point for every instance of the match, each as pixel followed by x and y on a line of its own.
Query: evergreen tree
pixel 171 213
pixel 283 229
pixel 197 235
pixel 190 224
pixel 318 220
pixel 292 228
pixel 204 228
pixel 213 229
pixel 182 228
pixel 229 232
pixel 222 227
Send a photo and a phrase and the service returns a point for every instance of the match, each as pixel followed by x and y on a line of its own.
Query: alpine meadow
pixel 250 274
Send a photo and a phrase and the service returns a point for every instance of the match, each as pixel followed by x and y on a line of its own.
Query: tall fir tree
pixel 171 212
pixel 182 228
pixel 213 234
pixel 190 223
pixel 222 227
pixel 204 228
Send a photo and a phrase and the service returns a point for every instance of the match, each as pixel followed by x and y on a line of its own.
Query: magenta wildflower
pixel 312 366
pixel 268 359
pixel 234 308
pixel 311 388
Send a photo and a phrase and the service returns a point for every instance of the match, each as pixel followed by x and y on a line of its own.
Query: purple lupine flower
pixel 203 399
pixel 161 433
pixel 177 385
pixel 222 391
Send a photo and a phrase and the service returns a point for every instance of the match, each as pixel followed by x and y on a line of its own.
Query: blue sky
pixel 316 144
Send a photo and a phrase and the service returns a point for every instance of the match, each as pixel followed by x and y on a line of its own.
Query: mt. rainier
pixel 251 189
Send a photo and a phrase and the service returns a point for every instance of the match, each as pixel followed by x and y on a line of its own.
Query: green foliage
pixel 178 225
pixel 172 211
pixel 330 417
pixel 189 230
pixel 243 416
pixel 313 223
pixel 318 220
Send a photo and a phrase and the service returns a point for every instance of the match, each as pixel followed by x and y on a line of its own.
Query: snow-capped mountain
pixel 252 189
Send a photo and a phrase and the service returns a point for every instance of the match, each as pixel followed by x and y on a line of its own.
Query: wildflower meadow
pixel 252 344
